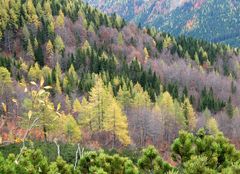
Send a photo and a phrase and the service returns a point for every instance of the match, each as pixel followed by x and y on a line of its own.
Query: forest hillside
pixel 211 20
pixel 86 92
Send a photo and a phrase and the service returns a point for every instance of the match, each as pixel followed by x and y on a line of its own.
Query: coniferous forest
pixel 85 92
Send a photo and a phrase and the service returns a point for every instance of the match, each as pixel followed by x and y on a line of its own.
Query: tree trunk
pixel 45 133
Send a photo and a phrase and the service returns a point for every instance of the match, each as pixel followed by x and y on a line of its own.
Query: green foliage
pixel 196 154
pixel 99 161
pixel 151 162
pixel 213 151
pixel 208 100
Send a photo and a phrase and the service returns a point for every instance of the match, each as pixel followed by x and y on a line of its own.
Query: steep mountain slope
pixel 74 78
pixel 212 20
pixel 112 83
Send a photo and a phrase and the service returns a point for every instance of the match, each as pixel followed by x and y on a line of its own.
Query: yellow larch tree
pixel 106 113
pixel 60 19
pixel 76 106
pixel 189 114
pixel 140 97
pixel 68 128
pixel 85 115
pixel 117 124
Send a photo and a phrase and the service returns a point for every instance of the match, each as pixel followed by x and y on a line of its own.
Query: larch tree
pixel 49 48
pixel 117 124
pixel 76 106
pixel 139 121
pixel 47 75
pixel 140 97
pixel 107 114
pixel 68 104
pixel 58 88
pixel 35 73
pixel 124 96
pixel 31 13
pixel 99 99
pixel 48 11
pixel 30 51
pixel 189 114
pixel 167 115
pixel 49 53
pixel 85 118
pixel 60 19
pixel 26 34
pixel 212 126
pixel 70 81
pixel 35 44
pixel 68 128
pixel 58 77
pixel 196 58
pixel 59 45
pixel 58 71
pixel 146 54
pixel 120 39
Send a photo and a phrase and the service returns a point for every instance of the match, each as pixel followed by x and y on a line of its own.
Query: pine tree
pixel 151 162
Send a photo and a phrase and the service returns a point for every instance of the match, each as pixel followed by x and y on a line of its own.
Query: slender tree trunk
pixel 114 130
pixel 45 133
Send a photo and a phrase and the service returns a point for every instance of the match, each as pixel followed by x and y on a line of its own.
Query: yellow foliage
pixel 140 97
pixel 69 128
pixel 212 126
pixel 189 114
pixel 76 105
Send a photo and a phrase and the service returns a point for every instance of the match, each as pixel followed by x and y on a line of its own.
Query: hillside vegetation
pixel 211 20
pixel 70 74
